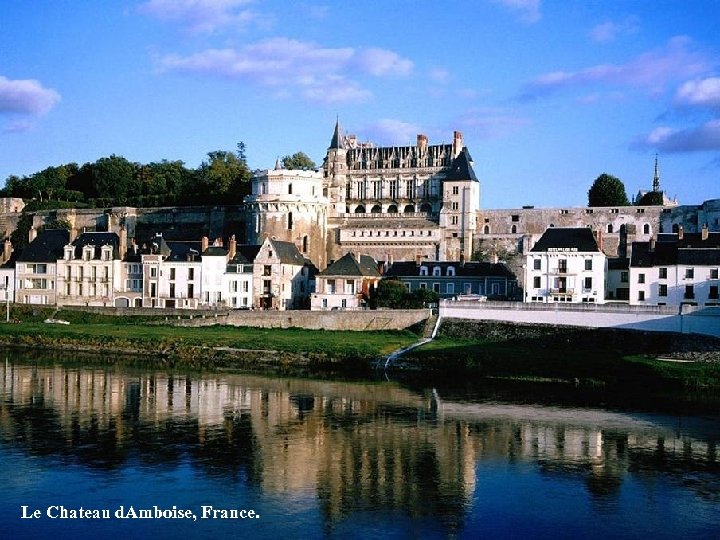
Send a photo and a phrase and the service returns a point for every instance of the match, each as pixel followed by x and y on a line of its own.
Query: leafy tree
pixel 113 178
pixel 651 198
pixel 298 160
pixel 424 297
pixel 224 176
pixel 607 190
pixel 390 293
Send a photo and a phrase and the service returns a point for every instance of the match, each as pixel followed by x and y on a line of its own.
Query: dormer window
pixel 451 271
pixel 87 254
pixel 437 271
pixel 423 271
pixel 68 253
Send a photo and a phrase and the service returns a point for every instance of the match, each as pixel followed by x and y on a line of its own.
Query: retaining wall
pixel 651 318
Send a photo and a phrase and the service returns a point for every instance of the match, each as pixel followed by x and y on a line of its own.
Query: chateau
pixel 417 204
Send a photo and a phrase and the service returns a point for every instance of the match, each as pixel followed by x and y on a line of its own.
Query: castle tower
pixel 334 173
pixel 289 205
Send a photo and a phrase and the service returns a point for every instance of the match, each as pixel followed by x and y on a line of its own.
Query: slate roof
pixel 680 251
pixel 48 246
pixel 469 269
pixel 461 168
pixel 580 238
pixel 97 240
pixel 349 265
pixel 215 251
pixel 663 254
pixel 245 254
pixel 287 252
pixel 618 263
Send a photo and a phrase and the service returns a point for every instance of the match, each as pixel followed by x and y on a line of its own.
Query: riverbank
pixel 601 357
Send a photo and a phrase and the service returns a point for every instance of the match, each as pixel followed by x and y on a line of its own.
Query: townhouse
pixel 346 284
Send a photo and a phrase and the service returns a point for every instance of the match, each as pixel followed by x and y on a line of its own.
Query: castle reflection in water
pixel 354 446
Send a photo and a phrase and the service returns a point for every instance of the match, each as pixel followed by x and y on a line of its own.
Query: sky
pixel 548 94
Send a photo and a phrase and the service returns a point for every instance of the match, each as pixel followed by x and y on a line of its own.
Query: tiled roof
pixel 47 246
pixel 461 168
pixel 349 265
pixel 97 240
pixel 215 251
pixel 580 238
pixel 287 252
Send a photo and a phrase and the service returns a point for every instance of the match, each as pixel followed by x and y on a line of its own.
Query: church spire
pixel 656 178
pixel 335 143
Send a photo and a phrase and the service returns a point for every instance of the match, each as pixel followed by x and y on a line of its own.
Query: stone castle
pixel 417 202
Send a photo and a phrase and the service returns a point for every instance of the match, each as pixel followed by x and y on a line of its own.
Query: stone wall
pixel 317 320
pixel 650 318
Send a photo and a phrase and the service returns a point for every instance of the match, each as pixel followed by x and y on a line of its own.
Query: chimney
pixel 232 251
pixel 422 143
pixel 417 259
pixel 462 259
pixel 652 245
pixel 32 234
pixel 680 233
pixel 7 250
pixel 123 242
pixel 458 144
pixel 204 244
pixel 599 238
pixel 704 232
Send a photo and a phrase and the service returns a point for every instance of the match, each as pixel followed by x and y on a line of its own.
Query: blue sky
pixel 548 94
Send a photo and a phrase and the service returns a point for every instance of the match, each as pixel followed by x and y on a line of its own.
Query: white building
pixel 238 276
pixel 36 267
pixel 345 284
pixel 565 265
pixel 281 276
pixel 676 269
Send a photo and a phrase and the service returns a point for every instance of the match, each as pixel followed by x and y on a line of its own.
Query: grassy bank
pixel 201 347
pixel 587 357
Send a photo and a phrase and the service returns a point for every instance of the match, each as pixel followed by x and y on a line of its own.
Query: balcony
pixel 562 270
pixel 562 291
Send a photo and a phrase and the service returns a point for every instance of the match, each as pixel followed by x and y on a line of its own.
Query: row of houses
pixel 103 269
pixel 568 265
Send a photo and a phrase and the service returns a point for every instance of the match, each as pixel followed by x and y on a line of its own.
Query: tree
pixel 224 176
pixel 113 178
pixel 651 198
pixel 607 190
pixel 299 160
pixel 391 293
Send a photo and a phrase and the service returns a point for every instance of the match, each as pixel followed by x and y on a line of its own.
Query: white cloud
pixel 705 137
pixel 26 97
pixel 490 122
pixel 295 67
pixel 651 71
pixel 612 30
pixel 381 62
pixel 200 16
pixel 699 92
pixel 528 11
pixel 388 131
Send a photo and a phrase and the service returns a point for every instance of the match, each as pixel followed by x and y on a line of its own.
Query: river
pixel 109 451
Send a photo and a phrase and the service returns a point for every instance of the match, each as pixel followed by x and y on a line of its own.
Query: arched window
pixel 437 271
pixel 646 228
pixel 426 208
pixel 513 229
pixel 360 209
pixel 376 209
pixel 451 271
pixel 423 271
pixel 289 221
pixel 305 244
pixel 409 209
pixel 392 209
pixel 290 188
pixel 486 229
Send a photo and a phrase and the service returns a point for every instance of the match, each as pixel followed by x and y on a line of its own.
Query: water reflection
pixel 354 448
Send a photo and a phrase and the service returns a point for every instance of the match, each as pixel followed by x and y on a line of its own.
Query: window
pixel 190 290
pixel 610 228
pixel 331 286
pixel 451 271
pixel 662 273
pixel 454 220
pixel 153 272
pixel 515 217
pixel 537 264
pixel 641 295
pixel 349 286
pixel 289 221
pixel 450 288
pixel 646 228
pixel 689 292
pixel 641 278
pixel 588 264
pixel 191 273
pixel 423 271
pixel 290 188
pixel 536 282
pixel 172 290
pixel 436 287
pixel 662 290
pixel 455 190
pixel 713 293
pixel 513 229
pixel 713 273
pixel 454 205
pixel 437 271
pixel 267 270
pixel 689 273
pixel 624 277
pixel 588 283
pixel 172 274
